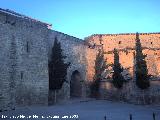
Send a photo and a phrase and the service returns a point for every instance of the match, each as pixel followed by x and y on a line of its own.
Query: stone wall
pixel 26 48
pixel 74 49
pixel 23 61
pixel 125 44
pixel 130 93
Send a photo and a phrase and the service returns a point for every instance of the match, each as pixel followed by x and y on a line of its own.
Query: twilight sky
pixel 81 18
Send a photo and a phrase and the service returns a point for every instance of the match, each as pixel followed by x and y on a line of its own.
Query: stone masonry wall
pixel 23 61
pixel 125 44
pixel 74 49
pixel 26 48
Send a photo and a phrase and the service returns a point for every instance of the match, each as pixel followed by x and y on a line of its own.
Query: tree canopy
pixel 118 78
pixel 141 71
pixel 57 67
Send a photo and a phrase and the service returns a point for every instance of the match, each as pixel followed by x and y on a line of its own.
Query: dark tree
pixel 141 71
pixel 100 66
pixel 118 78
pixel 57 67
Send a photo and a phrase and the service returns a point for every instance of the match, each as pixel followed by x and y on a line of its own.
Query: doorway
pixel 76 84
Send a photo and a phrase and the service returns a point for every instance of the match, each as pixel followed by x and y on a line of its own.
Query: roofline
pixel 114 34
pixel 75 38
pixel 7 11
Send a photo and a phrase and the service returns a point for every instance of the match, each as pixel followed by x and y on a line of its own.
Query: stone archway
pixel 76 84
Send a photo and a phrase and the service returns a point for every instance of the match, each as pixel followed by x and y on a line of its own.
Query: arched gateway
pixel 76 84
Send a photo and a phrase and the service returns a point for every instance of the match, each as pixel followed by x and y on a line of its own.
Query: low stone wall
pixel 130 93
pixel 149 96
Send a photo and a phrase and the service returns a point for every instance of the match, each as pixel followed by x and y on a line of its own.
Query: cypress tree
pixel 141 71
pixel 57 67
pixel 118 78
pixel 100 66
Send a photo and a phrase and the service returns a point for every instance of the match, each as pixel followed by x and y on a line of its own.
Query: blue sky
pixel 81 18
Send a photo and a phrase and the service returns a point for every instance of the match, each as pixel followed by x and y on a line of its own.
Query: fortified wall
pixel 125 44
pixel 25 51
pixel 75 51
pixel 25 47
pixel 23 61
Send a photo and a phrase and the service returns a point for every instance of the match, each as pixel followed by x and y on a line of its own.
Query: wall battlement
pixel 115 34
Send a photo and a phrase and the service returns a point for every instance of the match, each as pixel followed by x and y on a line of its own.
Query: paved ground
pixel 91 110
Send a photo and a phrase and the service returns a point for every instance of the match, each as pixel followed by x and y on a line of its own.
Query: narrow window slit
pixel 27 46
pixel 21 75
